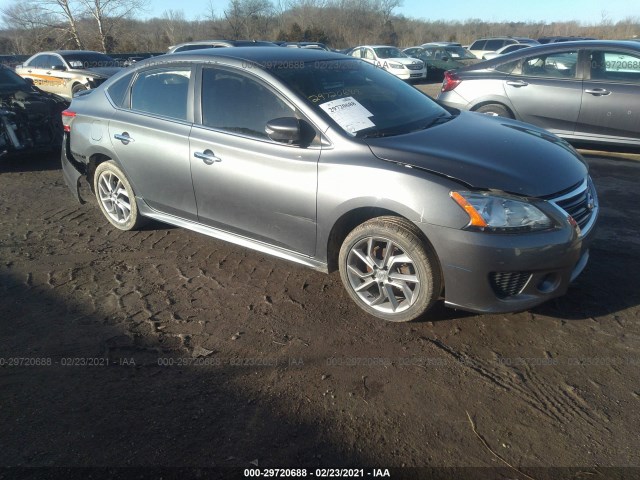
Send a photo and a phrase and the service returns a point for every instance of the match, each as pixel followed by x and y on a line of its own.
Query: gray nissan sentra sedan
pixel 333 163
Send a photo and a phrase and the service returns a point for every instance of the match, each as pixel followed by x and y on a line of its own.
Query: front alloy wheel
pixel 389 270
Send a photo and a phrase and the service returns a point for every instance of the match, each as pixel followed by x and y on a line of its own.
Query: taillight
pixel 451 81
pixel 67 118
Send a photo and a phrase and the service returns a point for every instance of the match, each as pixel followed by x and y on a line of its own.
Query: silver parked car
pixel 586 91
pixel 330 162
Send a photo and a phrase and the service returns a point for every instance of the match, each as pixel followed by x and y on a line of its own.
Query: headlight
pixel 396 65
pixel 501 213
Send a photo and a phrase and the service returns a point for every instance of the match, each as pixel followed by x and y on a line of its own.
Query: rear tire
pixel 389 270
pixel 115 197
pixel 495 109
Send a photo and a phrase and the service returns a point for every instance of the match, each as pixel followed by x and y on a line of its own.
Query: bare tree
pixel 109 13
pixel 56 15
pixel 248 18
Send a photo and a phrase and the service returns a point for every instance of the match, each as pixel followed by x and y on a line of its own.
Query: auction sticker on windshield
pixel 349 114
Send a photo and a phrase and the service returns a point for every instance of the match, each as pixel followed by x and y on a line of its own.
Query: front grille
pixel 415 75
pixel 508 284
pixel 414 66
pixel 581 204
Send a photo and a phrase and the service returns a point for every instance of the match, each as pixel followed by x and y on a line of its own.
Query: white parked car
pixel 506 49
pixel 392 60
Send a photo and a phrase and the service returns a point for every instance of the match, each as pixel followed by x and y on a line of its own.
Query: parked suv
pixel 316 158
pixel 487 45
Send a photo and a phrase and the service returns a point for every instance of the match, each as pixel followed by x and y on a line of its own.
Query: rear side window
pixel 494 44
pixel 118 91
pixel 162 92
pixel 478 45
pixel 615 66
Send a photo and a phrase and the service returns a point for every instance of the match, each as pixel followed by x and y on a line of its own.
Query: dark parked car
pixel 440 58
pixel 29 118
pixel 333 163
pixel 585 91
pixel 556 39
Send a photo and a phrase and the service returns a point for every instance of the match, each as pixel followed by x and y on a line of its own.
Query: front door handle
pixel 123 137
pixel 597 91
pixel 517 83
pixel 207 157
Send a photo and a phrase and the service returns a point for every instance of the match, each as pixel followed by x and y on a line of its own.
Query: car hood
pixel 104 72
pixel 488 152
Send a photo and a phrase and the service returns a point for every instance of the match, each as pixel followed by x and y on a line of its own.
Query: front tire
pixel 78 87
pixel 115 197
pixel 389 270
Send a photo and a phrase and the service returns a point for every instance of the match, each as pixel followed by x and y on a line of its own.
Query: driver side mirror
pixel 290 130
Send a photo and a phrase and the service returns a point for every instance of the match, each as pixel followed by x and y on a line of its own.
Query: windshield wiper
pixel 436 121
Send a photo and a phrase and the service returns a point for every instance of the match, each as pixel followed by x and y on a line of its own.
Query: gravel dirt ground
pixel 165 348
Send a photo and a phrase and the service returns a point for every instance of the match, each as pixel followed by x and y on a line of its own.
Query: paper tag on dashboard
pixel 349 114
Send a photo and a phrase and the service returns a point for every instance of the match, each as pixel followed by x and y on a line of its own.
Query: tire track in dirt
pixel 560 403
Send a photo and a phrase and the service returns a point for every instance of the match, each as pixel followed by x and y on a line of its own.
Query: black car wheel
pixel 78 87
pixel 496 110
pixel 389 270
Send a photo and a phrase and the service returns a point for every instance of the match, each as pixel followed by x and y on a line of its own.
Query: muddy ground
pixel 166 348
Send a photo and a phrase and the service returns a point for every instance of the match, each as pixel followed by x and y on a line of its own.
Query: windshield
pixel 389 52
pixel 9 80
pixel 89 60
pixel 458 52
pixel 361 99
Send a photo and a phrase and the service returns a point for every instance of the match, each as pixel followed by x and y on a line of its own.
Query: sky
pixel 585 11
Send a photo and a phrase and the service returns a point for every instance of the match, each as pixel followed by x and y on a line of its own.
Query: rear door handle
pixel 517 83
pixel 207 157
pixel 123 137
pixel 597 91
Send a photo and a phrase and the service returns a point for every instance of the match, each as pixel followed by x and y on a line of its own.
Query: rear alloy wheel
pixel 389 271
pixel 495 109
pixel 115 197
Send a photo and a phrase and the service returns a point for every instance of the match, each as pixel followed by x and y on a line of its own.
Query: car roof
pixel 68 52
pixel 377 46
pixel 251 54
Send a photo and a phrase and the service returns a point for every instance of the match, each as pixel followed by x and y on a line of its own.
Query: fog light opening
pixel 549 283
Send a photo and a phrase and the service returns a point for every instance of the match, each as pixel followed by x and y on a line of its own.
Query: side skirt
pixel 147 211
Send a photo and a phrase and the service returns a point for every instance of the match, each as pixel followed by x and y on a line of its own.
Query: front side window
pixel 551 65
pixel 39 62
pixel 615 66
pixel 162 92
pixel 237 103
